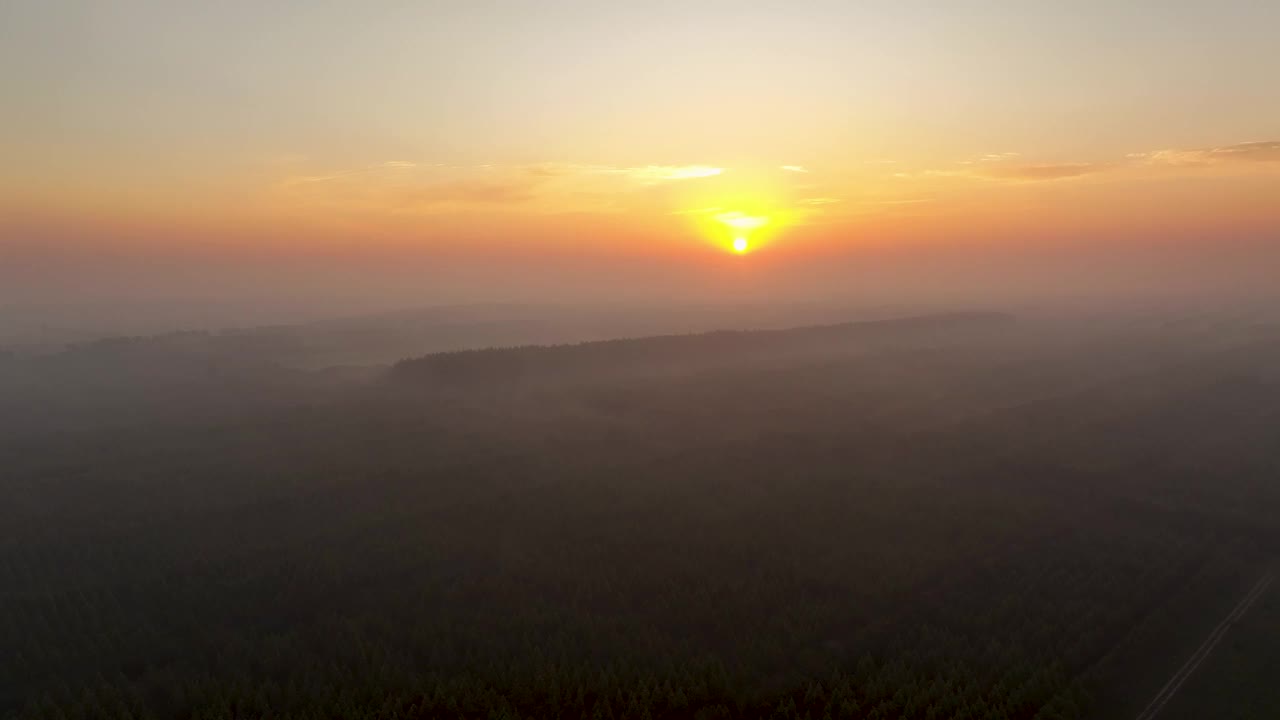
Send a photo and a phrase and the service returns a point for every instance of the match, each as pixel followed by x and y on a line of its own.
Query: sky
pixel 571 149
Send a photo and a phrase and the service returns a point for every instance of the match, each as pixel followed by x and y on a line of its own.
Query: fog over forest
pixel 815 510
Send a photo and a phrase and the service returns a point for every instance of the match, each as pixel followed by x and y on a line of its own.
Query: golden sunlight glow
pixel 734 230
pixel 740 212
pixel 741 221
pixel 741 226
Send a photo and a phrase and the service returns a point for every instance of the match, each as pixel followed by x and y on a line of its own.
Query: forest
pixel 967 515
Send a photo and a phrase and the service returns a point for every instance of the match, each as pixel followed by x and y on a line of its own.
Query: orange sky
pixel 490 148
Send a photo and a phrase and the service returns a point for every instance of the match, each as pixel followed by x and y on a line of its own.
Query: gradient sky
pixel 501 148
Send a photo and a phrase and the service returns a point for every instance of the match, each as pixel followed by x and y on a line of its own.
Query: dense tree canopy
pixel 968 519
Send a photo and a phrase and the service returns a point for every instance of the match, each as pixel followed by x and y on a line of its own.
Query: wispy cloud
pixel 471 192
pixel 1248 152
pixel 399 185
pixel 935 173
pixel 1010 173
pixel 667 173
pixel 403 185
pixel 645 174
pixel 1003 166
pixel 794 168
pixel 1044 171
pixel 308 179
pixel 699 211
pixel 1240 153
pixel 550 170
pixel 900 201
pixel 991 158
pixel 344 174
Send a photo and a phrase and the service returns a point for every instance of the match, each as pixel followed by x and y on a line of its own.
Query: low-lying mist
pixel 703 511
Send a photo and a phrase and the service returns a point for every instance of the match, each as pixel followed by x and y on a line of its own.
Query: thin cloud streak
pixel 647 174
pixel 1248 152
pixel 1045 172
pixel 342 174
pixel 471 192
pixel 995 167
pixel 667 173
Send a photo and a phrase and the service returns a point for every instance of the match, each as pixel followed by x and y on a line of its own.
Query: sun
pixel 740 226
pixel 742 212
